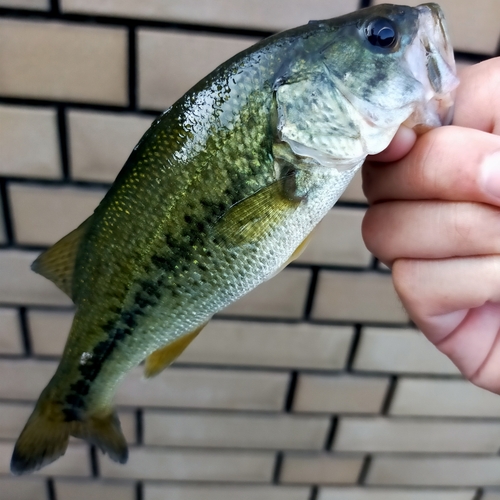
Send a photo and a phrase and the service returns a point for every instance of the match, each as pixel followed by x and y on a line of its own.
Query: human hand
pixel 435 220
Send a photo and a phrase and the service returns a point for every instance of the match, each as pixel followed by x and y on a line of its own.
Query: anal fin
pixel 157 361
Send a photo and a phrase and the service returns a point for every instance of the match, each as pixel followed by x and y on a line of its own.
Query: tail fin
pixel 43 440
pixel 45 437
pixel 105 432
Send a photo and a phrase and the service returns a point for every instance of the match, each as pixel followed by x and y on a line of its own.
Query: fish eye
pixel 382 33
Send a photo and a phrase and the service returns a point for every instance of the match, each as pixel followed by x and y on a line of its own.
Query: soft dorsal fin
pixel 163 357
pixel 57 264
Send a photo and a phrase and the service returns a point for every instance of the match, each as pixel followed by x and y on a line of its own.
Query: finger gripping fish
pixel 220 194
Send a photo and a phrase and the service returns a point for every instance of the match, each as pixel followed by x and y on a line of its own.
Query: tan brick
pixel 260 14
pixel 29 145
pixel 466 20
pixel 443 398
pixel 171 63
pixel 234 431
pixel 393 494
pixel 10 338
pixel 96 490
pixel 271 344
pixel 398 350
pixel 53 60
pixel 20 285
pixel 337 240
pixel 283 296
pixel 194 465
pixel 49 331
pixel 23 488
pixel 100 143
pixel 26 4
pixel 309 468
pixel 434 471
pixel 416 435
pixel 339 394
pixel 207 492
pixel 42 215
pixel 357 297
pixel 211 389
pixel 75 462
pixel 354 191
pixel 24 379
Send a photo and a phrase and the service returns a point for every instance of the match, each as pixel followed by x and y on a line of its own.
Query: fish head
pixel 355 79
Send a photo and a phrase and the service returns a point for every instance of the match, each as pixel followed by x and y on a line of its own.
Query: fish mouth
pixel 431 61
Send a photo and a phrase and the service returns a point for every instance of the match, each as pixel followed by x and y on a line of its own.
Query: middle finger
pixel 431 230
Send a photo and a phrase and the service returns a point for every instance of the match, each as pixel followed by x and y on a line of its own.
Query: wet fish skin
pixel 216 198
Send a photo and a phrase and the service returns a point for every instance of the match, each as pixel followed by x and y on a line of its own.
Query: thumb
pixel 400 146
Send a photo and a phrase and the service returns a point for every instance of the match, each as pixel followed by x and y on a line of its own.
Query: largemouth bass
pixel 220 194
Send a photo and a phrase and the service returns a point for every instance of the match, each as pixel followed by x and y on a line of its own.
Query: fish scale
pixel 218 196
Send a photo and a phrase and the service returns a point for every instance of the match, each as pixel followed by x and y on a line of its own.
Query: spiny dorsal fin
pixel 163 357
pixel 57 264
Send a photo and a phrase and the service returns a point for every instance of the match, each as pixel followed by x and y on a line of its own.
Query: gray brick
pixel 53 60
pixel 398 350
pixel 29 144
pixel 357 297
pixel 434 471
pixel 337 240
pixel 100 143
pixel 171 63
pixel 339 394
pixel 20 285
pixel 11 338
pixel 42 215
pixel 211 389
pixel 261 14
pixel 248 343
pixel 190 465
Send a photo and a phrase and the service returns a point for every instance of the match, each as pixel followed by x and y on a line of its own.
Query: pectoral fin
pixel 252 218
pixel 163 357
pixel 57 264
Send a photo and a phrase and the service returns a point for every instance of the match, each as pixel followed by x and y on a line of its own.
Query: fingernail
pixel 490 174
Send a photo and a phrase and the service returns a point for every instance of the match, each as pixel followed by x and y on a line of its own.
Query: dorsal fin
pixel 57 264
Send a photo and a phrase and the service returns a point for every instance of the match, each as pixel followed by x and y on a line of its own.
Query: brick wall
pixel 315 386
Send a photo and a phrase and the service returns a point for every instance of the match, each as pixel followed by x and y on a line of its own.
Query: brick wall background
pixel 313 387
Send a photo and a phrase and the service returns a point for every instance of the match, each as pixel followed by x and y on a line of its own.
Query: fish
pixel 220 194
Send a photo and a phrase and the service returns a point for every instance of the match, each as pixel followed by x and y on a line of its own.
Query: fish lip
pixel 437 74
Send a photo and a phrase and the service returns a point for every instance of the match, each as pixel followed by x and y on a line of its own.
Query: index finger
pixel 476 102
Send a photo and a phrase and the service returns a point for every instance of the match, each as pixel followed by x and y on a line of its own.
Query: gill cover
pixel 349 86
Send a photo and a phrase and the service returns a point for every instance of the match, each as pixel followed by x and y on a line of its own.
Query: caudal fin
pixel 46 434
pixel 105 432
pixel 43 440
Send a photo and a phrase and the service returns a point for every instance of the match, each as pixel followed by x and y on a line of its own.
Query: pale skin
pixel 434 218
